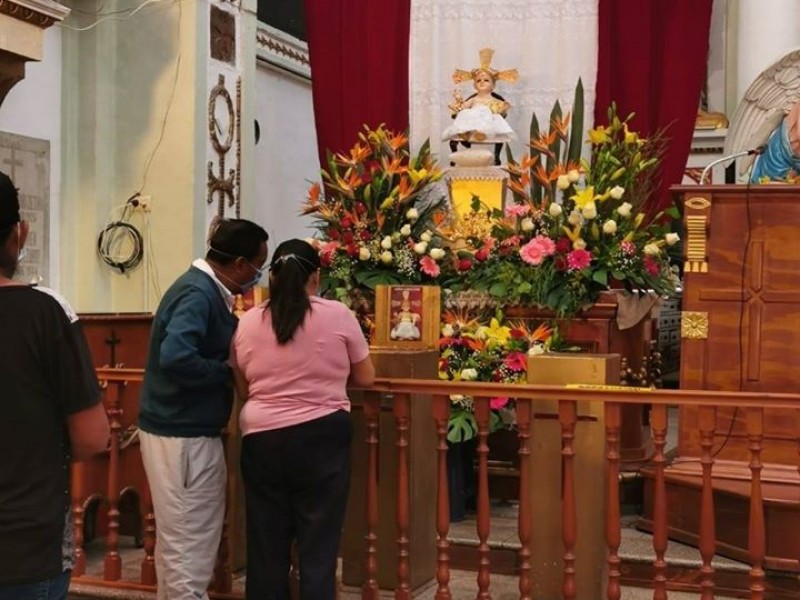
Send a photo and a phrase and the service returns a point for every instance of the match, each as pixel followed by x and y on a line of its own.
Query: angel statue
pixel 481 116
pixel 768 118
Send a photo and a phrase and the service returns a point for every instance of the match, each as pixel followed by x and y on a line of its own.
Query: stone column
pixel 160 104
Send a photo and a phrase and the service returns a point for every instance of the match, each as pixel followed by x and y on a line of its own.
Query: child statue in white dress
pixel 480 118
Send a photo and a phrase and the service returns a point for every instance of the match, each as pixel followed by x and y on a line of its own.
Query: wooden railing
pixel 399 392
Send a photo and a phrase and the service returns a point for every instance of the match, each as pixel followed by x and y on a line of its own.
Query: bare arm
pixel 240 384
pixel 88 431
pixel 362 373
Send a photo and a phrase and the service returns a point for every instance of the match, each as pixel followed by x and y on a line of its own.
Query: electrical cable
pixel 115 235
pixel 112 16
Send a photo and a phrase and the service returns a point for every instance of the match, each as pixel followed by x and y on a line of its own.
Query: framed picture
pixel 407 316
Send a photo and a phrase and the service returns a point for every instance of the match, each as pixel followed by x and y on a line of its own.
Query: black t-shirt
pixel 45 375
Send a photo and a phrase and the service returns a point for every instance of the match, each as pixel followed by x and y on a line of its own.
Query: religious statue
pixel 481 116
pixel 768 119
pixel 405 321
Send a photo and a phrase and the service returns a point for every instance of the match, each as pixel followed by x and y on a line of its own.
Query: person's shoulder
pixel 62 302
pixel 329 306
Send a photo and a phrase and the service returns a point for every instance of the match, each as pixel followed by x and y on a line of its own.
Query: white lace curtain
pixel 550 42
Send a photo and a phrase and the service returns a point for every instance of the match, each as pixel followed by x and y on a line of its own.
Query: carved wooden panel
pixel 222 35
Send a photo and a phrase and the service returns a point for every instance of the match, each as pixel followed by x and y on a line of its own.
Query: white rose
pixel 563 182
pixel 573 175
pixel 526 224
pixel 386 243
pixel 364 253
pixel 555 209
pixel 574 217
pixel 456 397
pixel 437 253
pixel 405 230
pixel 616 192
pixel 672 238
pixel 535 350
pixel 579 244
pixel 589 210
pixel 386 257
pixel 412 214
pixel 421 247
pixel 610 226
pixel 426 236
pixel 624 209
pixel 469 374
pixel 448 330
pixel 652 249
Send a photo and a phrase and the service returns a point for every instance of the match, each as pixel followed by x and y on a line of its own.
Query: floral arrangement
pixel 575 227
pixel 376 226
pixel 470 351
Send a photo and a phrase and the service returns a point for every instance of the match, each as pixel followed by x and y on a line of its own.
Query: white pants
pixel 187 482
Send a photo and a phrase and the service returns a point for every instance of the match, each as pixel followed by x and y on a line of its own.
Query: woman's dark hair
pixel 293 262
pixel 234 238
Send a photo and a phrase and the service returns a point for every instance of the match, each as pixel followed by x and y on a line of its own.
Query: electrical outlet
pixel 145 203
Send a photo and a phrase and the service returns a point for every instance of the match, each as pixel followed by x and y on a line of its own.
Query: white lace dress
pixel 479 124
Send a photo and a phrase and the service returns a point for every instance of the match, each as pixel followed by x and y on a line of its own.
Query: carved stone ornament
pixel 222 25
pixel 221 130
pixel 694 325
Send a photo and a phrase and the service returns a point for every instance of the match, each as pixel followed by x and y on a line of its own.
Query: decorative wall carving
pixel 40 13
pixel 282 50
pixel 222 127
pixel 222 35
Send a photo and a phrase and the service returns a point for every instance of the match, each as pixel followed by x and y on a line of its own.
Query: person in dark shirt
pixel 186 401
pixel 52 413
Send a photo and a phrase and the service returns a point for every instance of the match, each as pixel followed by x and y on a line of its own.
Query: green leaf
pixel 498 289
pixel 601 277
pixel 462 427
pixel 576 131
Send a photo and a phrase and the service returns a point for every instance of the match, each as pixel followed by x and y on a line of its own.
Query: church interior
pixel 566 227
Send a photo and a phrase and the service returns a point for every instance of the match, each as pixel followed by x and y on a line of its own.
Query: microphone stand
pixel 714 163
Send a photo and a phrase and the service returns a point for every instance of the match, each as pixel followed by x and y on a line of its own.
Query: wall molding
pixel 282 50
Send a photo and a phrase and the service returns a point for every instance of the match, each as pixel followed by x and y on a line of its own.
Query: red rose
pixel 352 250
pixel 333 234
pixel 482 254
pixel 345 222
pixel 361 208
pixel 563 245
pixel 365 235
pixel 348 237
pixel 464 264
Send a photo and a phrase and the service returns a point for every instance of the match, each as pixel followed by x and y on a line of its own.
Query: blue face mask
pixel 249 285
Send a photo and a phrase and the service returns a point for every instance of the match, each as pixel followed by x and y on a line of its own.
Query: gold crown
pixel 485 56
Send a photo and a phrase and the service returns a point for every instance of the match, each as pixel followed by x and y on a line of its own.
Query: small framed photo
pixel 407 316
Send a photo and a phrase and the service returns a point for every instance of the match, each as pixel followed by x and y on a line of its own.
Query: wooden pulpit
pixel 739 329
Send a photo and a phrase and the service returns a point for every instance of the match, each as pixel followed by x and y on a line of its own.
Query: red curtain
pixel 652 61
pixel 359 66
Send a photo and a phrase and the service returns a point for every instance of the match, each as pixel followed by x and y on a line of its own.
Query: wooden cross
pixel 112 342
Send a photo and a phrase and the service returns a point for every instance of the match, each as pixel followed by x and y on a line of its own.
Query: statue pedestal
pixel 414 364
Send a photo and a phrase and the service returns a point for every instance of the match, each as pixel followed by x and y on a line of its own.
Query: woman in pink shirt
pixel 292 360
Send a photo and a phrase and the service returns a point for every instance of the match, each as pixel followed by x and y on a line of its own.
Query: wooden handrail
pixel 403 392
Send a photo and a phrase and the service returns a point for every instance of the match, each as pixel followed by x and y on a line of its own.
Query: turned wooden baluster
pixel 523 409
pixel 401 415
pixel 441 416
pixel 658 427
pixel 482 416
pixel 756 541
pixel 112 566
pixel 77 479
pixel 567 416
pixel 613 415
pixel 707 416
pixel 372 409
pixel 148 568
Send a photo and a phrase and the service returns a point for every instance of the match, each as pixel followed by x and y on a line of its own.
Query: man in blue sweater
pixel 186 401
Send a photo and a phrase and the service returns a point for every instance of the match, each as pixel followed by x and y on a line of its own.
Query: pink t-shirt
pixel 303 380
